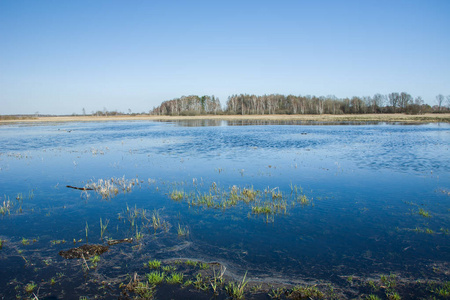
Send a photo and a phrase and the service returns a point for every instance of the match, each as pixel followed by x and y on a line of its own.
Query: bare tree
pixel 418 101
pixel 393 99
pixel 378 101
pixel 439 100
pixel 405 100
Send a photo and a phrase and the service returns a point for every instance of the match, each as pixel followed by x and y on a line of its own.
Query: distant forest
pixel 245 104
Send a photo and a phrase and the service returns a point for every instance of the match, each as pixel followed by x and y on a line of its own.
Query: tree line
pixel 189 105
pixel 245 104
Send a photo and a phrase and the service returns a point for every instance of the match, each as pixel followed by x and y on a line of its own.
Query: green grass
pixel 199 283
pixel 155 277
pixel 144 290
pixel 168 269
pixel 29 287
pixel 139 234
pixel 305 292
pixel 269 202
pixel 393 296
pixel 175 278
pixel 303 200
pixel 182 231
pixel 236 290
pixel 192 263
pixel 424 213
pixel 443 230
pixel 444 290
pixel 154 264
pixel 250 194
pixel 103 227
pixel 94 261
pixel 176 195
pixel 188 283
pixel 262 209
pixel 157 222
pixel 276 293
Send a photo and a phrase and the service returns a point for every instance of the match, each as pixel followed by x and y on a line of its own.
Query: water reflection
pixel 251 122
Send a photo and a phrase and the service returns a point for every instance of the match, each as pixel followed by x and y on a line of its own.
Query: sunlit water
pixel 366 184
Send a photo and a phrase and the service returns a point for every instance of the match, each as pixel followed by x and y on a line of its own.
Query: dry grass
pixel 425 118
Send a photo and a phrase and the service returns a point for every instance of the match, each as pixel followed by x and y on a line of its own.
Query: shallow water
pixel 365 183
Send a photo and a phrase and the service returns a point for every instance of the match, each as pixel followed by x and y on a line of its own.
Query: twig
pixel 78 188
pixel 82 256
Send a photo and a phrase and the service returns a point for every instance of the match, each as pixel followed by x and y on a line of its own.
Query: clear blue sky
pixel 58 57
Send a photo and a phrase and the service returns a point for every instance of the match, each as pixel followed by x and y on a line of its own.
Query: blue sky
pixel 58 57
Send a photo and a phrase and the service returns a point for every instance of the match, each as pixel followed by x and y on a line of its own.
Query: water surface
pixel 378 200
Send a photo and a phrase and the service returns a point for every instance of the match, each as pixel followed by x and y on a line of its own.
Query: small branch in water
pixel 78 188
pixel 82 255
pixel 115 242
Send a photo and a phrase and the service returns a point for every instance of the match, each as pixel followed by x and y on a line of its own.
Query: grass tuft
pixel 154 264
pixel 155 277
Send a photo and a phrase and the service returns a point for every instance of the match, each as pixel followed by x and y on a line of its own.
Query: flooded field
pixel 224 209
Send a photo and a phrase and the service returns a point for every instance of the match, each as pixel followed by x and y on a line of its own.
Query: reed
pixel 5 207
pixel 86 229
pixel 183 231
pixel 103 227
pixel 139 234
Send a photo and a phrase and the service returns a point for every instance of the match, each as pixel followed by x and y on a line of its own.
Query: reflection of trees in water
pixel 210 122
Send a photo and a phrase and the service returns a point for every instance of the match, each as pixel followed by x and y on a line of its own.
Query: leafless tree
pixel 439 100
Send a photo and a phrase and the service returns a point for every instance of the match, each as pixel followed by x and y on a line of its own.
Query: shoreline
pixel 425 118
